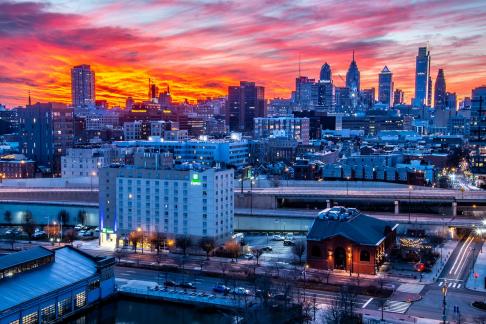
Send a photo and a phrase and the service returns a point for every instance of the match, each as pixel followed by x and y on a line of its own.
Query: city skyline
pixel 199 49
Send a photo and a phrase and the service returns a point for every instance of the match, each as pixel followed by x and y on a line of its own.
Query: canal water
pixel 128 311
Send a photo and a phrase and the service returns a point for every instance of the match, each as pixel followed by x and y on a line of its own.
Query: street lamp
pixel 444 303
pixel 93 174
pixel 139 229
pixel 306 266
pixel 347 187
pixel 410 188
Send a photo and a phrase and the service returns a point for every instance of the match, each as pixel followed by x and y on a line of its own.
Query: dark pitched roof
pixel 362 229
pixel 11 260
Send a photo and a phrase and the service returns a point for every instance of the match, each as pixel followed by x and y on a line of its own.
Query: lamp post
pixel 347 187
pixel 306 266
pixel 92 175
pixel 139 229
pixel 409 202
pixel 444 303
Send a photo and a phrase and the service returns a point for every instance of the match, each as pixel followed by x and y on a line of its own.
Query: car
pixel 221 289
pixel 288 243
pixel 170 283
pixel 187 285
pixel 263 294
pixel 278 238
pixel 282 297
pixel 241 291
pixel 267 249
pixel 289 236
pixel 78 227
pixel 247 256
pixel 39 234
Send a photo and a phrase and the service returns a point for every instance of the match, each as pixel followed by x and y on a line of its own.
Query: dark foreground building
pixel 344 239
pixel 45 286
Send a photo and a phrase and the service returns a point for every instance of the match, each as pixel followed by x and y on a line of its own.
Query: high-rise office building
pixel 367 98
pixel 303 92
pixel 83 86
pixel 440 91
pixel 385 86
pixel 398 97
pixel 353 83
pixel 326 74
pixel 477 137
pixel 245 102
pixel 47 131
pixel 323 96
pixel 451 100
pixel 422 77
pixel 343 100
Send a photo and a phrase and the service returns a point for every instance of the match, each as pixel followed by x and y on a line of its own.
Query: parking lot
pixel 279 252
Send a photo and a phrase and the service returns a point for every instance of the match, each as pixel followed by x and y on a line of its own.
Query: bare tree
pixel 63 216
pixel 233 249
pixel 135 237
pixel 298 249
pixel 207 244
pixel 7 216
pixel 70 235
pixel 257 253
pixel 120 254
pixel 82 215
pixel 184 242
pixel 28 224
pixel 342 310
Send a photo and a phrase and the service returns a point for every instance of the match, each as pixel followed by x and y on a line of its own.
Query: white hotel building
pixel 193 201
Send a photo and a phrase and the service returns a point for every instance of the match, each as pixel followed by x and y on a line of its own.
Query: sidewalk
pixel 479 268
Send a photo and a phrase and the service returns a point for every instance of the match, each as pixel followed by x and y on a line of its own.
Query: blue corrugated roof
pixel 69 267
pixel 11 260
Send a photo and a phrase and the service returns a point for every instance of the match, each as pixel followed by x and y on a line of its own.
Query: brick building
pixel 345 239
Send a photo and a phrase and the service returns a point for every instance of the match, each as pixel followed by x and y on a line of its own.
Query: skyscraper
pixel 245 102
pixel 303 92
pixel 353 77
pixel 326 74
pixel 385 86
pixel 440 91
pixel 398 97
pixel 477 137
pixel 352 83
pixel 82 86
pixel 422 77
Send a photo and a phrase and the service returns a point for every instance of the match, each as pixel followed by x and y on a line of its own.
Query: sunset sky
pixel 201 47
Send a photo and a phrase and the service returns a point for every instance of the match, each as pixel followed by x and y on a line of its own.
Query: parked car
pixel 278 238
pixel 39 234
pixel 263 294
pixel 288 243
pixel 267 249
pixel 241 291
pixel 170 283
pixel 78 227
pixel 289 236
pixel 221 289
pixel 247 256
pixel 187 285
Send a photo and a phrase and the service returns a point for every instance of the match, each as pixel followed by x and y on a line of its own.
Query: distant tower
pixel 30 100
pixel 422 77
pixel 326 74
pixel 82 86
pixel 352 83
pixel 385 86
pixel 440 91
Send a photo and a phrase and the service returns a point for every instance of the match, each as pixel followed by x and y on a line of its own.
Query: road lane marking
pixel 441 283
pixel 459 286
pixel 454 285
pixel 366 304
pixel 463 260
pixel 461 250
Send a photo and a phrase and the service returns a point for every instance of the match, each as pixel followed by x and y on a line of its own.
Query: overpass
pixel 396 200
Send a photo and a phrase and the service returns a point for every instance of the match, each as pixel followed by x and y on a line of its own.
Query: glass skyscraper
pixel 422 78
pixel 82 86
pixel 385 86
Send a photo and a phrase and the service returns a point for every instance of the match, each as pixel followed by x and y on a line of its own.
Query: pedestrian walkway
pixel 410 288
pixel 451 284
pixel 396 306
pixel 477 279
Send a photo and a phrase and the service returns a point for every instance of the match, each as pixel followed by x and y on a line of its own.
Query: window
pixel 80 300
pixel 364 255
pixel 30 319
pixel 48 314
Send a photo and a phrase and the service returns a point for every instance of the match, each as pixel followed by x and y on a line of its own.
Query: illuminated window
pixel 80 300
pixel 48 314
pixel 30 319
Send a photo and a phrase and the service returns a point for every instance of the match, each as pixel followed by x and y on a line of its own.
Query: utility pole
pixel 444 303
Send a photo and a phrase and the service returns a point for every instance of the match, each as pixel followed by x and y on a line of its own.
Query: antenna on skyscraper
pixel 299 65
pixel 30 101
pixel 353 55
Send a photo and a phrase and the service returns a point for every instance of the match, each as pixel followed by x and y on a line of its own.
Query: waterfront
pixel 127 310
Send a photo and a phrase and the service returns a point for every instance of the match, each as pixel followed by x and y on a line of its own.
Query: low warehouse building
pixel 43 286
